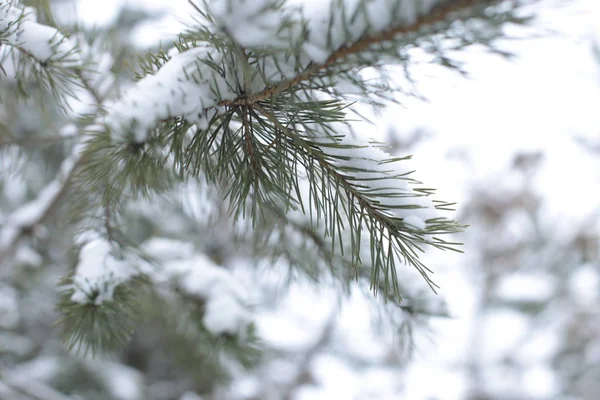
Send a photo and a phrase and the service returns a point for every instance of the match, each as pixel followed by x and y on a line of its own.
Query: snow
pixel 584 285
pixel 184 86
pixel 44 43
pixel 337 380
pixel 463 116
pixel 541 347
pixel 526 287
pixel 69 130
pixel 31 213
pixel 198 276
pixel 294 329
pixel 88 11
pixel 123 382
pixel 9 14
pixel 315 53
pixel 16 344
pixel 97 73
pixel 332 24
pixel 415 221
pixel 99 272
pixel 370 170
pixel 36 39
pixel 355 339
pixel 27 215
pixel 541 382
pixel 27 256
pixel 41 368
pixel 190 396
pixel 224 314
pixel 251 23
pixel 165 249
pixel 497 346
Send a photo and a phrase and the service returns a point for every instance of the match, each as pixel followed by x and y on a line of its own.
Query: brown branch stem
pixel 438 14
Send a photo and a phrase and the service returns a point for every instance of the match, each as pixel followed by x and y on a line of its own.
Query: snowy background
pixel 517 146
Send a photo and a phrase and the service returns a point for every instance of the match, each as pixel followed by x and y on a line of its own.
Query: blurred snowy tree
pixel 537 276
pixel 174 210
pixel 527 324
pixel 542 279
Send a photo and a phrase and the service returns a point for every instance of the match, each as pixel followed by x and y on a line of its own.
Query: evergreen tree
pixel 182 194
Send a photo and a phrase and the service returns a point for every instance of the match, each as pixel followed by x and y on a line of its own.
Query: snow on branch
pixel 184 86
pixel 99 272
pixel 373 171
pixel 174 265
pixel 198 276
pixel 19 28
pixel 343 32
pixel 253 23
pixel 201 79
pixel 360 181
pixel 261 109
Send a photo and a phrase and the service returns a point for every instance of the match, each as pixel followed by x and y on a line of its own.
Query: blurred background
pixel 516 145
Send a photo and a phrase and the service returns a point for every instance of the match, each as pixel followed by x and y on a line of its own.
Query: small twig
pixel 107 225
pixel 89 87
pixel 51 205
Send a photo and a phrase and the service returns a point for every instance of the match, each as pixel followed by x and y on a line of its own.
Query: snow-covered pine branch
pixel 32 52
pixel 103 274
pixel 335 34
pixel 264 86
pixel 254 98
pixel 19 28
pixel 209 218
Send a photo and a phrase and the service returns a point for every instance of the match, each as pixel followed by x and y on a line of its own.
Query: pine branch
pixel 439 13
pixel 38 53
pixel 363 210
pixel 209 84
pixel 211 107
pixel 204 71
